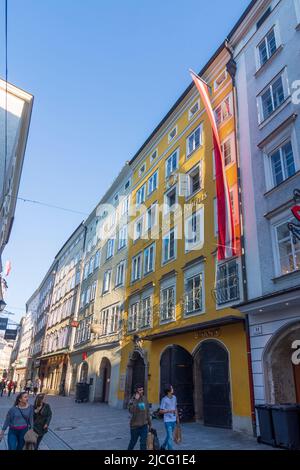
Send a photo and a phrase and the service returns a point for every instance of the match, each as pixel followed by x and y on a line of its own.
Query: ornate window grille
pixel 227 283
pixel 167 306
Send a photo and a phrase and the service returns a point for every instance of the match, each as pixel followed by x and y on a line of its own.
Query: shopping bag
pixel 150 439
pixel 177 436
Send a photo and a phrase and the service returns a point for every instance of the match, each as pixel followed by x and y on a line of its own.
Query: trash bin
pixel 286 420
pixel 82 392
pixel 266 427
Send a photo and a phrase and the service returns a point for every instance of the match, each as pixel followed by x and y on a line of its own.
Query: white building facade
pixel 266 49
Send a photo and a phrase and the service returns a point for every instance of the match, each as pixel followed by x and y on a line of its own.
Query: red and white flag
pixel 7 268
pixel 226 238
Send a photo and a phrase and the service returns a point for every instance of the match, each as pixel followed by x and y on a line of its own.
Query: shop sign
pixel 3 323
pixel 213 333
pixel 10 334
pixel 257 330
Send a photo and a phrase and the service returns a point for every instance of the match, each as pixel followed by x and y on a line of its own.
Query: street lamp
pixel 2 305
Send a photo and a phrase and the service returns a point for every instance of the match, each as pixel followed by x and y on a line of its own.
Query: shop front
pixel 99 367
pixel 53 373
pixel 206 364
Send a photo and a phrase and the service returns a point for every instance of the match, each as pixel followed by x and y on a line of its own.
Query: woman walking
pixel 18 419
pixel 168 408
pixel 42 417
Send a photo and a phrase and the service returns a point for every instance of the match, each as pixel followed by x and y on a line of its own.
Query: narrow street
pixel 96 426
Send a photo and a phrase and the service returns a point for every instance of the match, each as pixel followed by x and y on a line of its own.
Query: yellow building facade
pixel 179 326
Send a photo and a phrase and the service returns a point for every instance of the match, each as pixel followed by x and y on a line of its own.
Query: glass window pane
pixel 288 159
pixel 278 93
pixel 267 104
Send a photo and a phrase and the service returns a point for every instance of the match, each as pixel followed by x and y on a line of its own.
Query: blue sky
pixel 103 74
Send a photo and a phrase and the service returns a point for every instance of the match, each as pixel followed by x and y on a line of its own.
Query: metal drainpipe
pixel 243 258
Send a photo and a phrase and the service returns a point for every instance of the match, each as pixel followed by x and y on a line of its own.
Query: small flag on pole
pixel 226 238
pixel 7 268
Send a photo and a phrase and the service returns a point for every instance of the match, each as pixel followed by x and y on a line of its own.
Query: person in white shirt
pixel 168 408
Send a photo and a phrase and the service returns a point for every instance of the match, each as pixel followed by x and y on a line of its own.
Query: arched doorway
pixel 137 373
pixel 282 377
pixel 176 368
pixel 84 372
pixel 212 385
pixel 105 373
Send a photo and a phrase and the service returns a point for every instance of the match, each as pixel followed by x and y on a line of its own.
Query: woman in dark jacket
pixel 41 417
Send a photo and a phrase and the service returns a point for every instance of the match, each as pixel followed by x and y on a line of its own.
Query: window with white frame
pixel 91 265
pixel 172 163
pixel 167 304
pixel 110 248
pixel 146 313
pixel 228 150
pixel 194 230
pixel 194 109
pixel 122 243
pixel 220 80
pixel 136 267
pixel 272 96
pixel 133 316
pixel 120 274
pixel 172 134
pixel 267 47
pixel 194 182
pixel 194 141
pixel 171 199
pixel 288 253
pixel 125 205
pixel 149 259
pixel 88 295
pixel 282 163
pixel 82 298
pixel 104 322
pixel 86 271
pixel 153 182
pixel 168 247
pixel 114 319
pixel 97 260
pixel 227 283
pixel 142 169
pixel 106 281
pixel 138 228
pixel 193 294
pixel 93 291
pixel 151 216
pixel 141 195
pixel 224 111
pixel 153 156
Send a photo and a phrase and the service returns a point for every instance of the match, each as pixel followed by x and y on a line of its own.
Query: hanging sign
pixel 10 334
pixel 3 323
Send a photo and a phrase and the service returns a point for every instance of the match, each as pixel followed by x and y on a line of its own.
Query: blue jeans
pixel 15 438
pixel 135 433
pixel 168 443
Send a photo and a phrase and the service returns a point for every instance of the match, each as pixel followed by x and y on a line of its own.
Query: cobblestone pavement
pixel 94 426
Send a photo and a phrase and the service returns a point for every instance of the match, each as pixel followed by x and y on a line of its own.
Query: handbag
pixel 30 436
pixel 177 436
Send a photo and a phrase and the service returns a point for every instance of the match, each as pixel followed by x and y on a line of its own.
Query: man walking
pixel 140 419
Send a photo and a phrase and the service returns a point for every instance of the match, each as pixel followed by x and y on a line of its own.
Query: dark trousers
pixel 135 434
pixel 38 442
pixel 15 438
